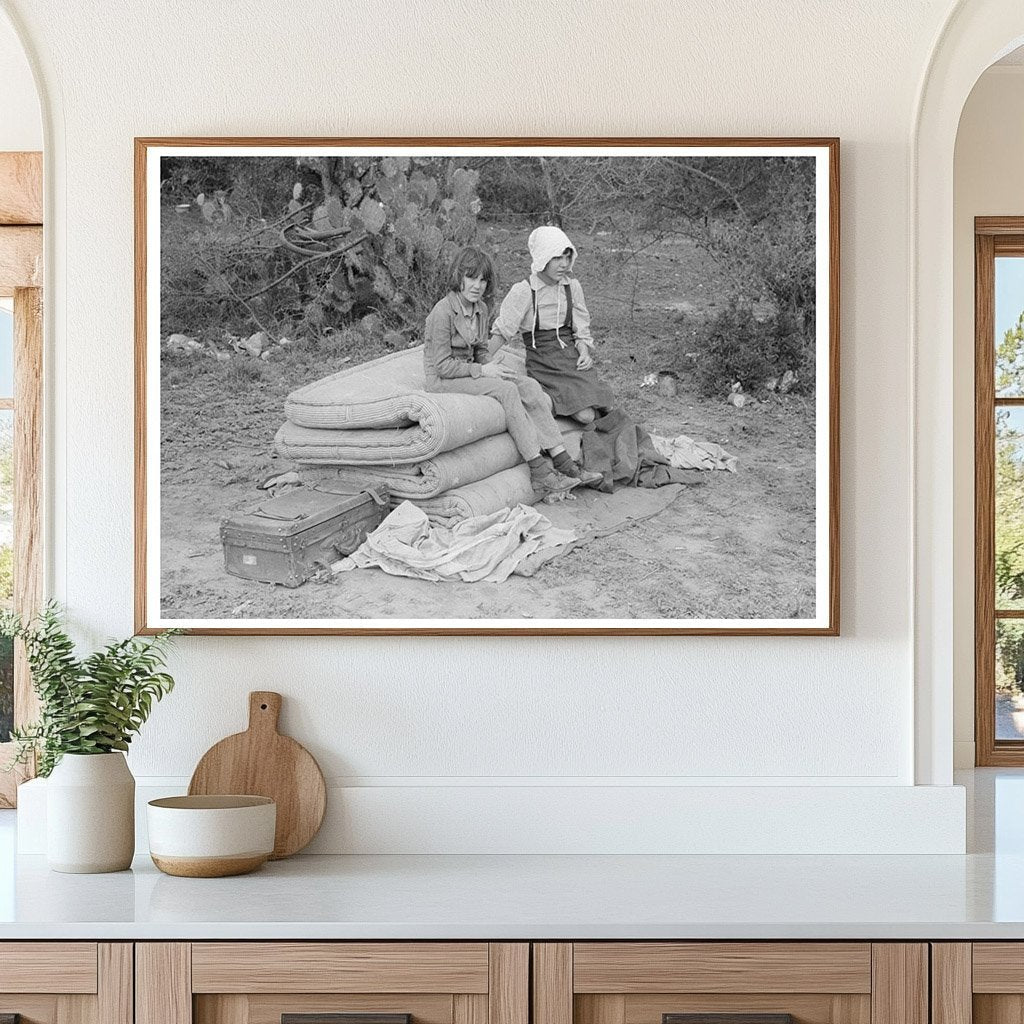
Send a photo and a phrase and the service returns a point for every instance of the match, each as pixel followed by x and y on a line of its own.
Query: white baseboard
pixel 526 819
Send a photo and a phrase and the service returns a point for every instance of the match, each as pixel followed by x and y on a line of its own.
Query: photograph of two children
pixel 487 386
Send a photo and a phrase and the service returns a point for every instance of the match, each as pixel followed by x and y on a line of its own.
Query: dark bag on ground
pixel 290 538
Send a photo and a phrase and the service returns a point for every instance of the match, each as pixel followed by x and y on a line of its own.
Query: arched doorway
pixel 977 33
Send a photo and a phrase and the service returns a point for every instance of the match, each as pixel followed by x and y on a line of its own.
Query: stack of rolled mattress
pixel 447 453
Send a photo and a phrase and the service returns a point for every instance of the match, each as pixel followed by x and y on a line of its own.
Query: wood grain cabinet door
pixel 332 983
pixel 66 982
pixel 730 983
pixel 978 983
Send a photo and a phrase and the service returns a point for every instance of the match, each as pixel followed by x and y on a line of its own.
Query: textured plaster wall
pixel 700 710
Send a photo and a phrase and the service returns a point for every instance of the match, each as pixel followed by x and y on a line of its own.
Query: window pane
pixel 6 570
pixel 6 350
pixel 1009 679
pixel 1009 316
pixel 1009 538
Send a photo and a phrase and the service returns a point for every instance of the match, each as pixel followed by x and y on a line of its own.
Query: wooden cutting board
pixel 262 762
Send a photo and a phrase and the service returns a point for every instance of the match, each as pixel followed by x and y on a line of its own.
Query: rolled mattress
pixel 506 489
pixel 427 479
pixel 379 413
pixel 425 428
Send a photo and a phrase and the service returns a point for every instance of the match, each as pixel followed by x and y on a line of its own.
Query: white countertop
pixel 976 896
pixel 516 897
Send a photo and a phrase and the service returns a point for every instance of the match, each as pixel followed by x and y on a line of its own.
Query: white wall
pixel 427 716
pixel 21 127
pixel 987 182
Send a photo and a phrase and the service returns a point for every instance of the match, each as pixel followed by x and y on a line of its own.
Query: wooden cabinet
pixel 66 982
pixel 651 982
pixel 260 982
pixel 978 983
pixel 512 982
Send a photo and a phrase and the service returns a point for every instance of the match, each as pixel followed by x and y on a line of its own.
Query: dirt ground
pixel 740 546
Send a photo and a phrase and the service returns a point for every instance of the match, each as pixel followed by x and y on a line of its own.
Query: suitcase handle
pixel 380 494
pixel 263 514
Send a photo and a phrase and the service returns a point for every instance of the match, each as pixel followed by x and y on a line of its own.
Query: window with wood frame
pixel 999 490
pixel 21 364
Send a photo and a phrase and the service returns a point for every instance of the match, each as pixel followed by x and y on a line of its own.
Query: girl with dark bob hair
pixel 456 358
pixel 473 263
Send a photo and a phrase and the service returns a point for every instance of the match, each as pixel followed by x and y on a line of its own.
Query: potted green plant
pixel 89 709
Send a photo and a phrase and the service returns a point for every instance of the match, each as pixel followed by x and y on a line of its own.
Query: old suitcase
pixel 290 538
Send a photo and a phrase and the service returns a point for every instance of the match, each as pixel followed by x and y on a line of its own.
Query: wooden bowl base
pixel 209 867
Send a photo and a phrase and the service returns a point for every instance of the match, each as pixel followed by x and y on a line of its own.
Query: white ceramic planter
pixel 90 814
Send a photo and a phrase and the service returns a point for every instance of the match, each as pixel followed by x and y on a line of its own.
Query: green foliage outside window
pixel 1009 511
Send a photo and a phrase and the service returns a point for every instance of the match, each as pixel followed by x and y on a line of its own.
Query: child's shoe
pixel 550 485
pixel 588 477
pixel 567 466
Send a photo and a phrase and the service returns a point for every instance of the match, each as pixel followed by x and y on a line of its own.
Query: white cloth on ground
pixel 683 452
pixel 481 549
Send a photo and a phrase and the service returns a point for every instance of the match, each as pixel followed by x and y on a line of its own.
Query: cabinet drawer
pixel 340 967
pixel 998 967
pixel 66 967
pixel 332 983
pixel 632 967
pixel 66 982
pixel 730 983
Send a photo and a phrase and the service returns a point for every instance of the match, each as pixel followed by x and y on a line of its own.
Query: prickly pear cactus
pixel 415 214
pixel 310 246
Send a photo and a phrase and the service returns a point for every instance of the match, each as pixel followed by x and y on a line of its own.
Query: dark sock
pixel 563 462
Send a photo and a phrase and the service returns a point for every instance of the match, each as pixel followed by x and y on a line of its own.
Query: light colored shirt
pixel 516 315
pixel 455 339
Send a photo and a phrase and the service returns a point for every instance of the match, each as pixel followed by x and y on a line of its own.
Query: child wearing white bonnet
pixel 549 311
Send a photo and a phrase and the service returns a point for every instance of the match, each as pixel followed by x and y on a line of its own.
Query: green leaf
pixel 87 706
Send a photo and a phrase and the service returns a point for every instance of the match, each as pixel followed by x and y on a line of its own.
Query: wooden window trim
pixel 28 554
pixel 21 268
pixel 21 188
pixel 993 236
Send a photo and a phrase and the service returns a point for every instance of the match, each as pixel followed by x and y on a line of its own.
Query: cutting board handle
pixel 264 710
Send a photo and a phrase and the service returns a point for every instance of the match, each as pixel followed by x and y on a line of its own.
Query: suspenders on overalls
pixel 547 333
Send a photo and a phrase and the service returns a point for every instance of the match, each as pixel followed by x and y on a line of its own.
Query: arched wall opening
pixel 976 35
pixel 986 183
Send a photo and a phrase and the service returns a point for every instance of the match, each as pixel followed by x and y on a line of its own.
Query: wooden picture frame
pixel 195 204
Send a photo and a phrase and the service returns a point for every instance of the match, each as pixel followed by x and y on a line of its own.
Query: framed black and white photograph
pixel 499 386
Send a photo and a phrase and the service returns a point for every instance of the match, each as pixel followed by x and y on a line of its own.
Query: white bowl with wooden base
pixel 211 836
